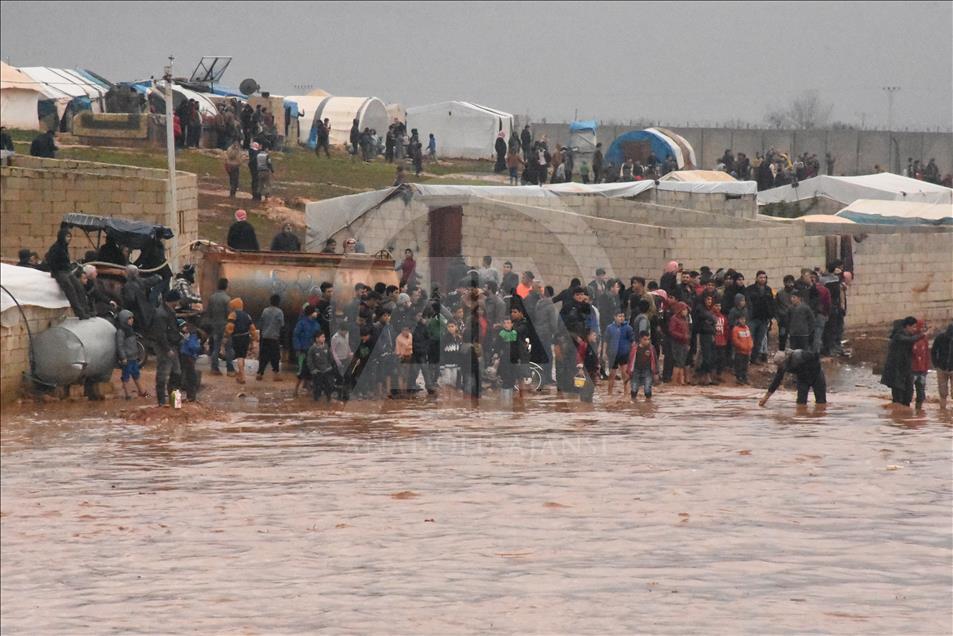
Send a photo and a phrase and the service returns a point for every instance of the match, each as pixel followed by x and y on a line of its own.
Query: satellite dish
pixel 248 86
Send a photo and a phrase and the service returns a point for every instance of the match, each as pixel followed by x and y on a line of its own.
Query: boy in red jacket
pixel 721 341
pixel 742 344
pixel 643 366
pixel 920 364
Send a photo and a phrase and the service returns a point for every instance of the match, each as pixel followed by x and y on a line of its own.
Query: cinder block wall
pixel 15 345
pixel 35 194
pixel 898 271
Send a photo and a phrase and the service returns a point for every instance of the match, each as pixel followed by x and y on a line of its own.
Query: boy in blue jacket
pixel 618 342
pixel 189 351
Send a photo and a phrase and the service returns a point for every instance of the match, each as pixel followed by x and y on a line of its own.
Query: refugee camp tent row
pixel 884 186
pixel 156 96
pixel 463 129
pixel 54 94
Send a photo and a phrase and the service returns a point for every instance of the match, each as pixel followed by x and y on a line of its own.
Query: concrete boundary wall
pixel 854 151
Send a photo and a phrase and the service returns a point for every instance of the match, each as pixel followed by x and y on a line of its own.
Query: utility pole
pixel 171 204
pixel 890 90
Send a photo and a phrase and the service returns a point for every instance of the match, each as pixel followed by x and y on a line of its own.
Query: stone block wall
pixel 35 194
pixel 898 271
pixel 15 345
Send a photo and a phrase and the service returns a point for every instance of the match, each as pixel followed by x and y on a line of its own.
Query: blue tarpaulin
pixel 660 146
pixel 292 108
pixel 577 126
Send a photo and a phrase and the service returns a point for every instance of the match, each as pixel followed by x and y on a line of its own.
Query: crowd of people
pixel 493 328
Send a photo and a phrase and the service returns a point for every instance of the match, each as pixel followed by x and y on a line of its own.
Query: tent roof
pixel 588 124
pixel 329 216
pixel 661 143
pixel 319 93
pixel 884 186
pixel 64 83
pixel 31 287
pixel 897 212
pixel 452 103
pixel 11 77
pixel 698 175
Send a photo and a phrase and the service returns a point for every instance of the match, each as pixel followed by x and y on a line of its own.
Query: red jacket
pixel 721 328
pixel 634 351
pixel 678 330
pixel 741 339
pixel 921 356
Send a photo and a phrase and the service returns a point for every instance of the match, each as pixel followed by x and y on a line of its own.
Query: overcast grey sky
pixel 677 63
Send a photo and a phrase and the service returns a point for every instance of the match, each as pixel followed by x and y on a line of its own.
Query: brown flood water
pixel 696 513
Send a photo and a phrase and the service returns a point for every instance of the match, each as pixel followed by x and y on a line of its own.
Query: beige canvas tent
pixel 19 95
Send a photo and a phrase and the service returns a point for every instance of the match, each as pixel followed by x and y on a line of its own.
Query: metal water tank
pixel 76 350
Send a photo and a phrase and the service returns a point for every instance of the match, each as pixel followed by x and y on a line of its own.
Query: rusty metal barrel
pixel 255 276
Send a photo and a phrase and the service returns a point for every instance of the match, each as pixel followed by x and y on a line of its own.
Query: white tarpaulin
pixel 18 99
pixel 634 188
pixel 462 129
pixel 324 218
pixel 885 186
pixel 30 287
pixel 897 212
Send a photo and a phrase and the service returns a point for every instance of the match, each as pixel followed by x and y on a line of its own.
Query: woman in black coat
pixel 897 373
pixel 500 153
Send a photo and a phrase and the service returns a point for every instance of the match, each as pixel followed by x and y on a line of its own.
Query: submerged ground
pixel 697 512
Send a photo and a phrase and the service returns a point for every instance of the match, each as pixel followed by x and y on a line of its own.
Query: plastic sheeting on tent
pixel 342 111
pixel 713 176
pixel 582 137
pixel 31 288
pixel 19 95
pixel 463 130
pixel 327 217
pixel 156 96
pixel 687 150
pixel 880 212
pixel 884 186
pixel 64 85
pixel 659 143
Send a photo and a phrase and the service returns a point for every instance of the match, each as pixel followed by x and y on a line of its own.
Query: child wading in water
pixel 742 344
pixel 127 350
pixel 643 366
pixel 320 367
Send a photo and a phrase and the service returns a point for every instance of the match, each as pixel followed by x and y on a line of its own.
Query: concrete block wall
pixel 15 345
pixel 902 274
pixel 36 193
pixel 855 151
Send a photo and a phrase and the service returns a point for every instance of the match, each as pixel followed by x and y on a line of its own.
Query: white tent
pixel 883 186
pixel 898 212
pixel 307 105
pixel 30 288
pixel 18 99
pixel 342 111
pixel 462 129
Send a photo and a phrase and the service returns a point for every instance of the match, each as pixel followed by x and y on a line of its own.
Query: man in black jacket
pixel 61 269
pixel 44 146
pixel 166 336
pixel 761 303
pixel 286 240
pixel 897 373
pixel 806 366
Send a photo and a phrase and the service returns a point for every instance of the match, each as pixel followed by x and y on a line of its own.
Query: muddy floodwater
pixel 697 513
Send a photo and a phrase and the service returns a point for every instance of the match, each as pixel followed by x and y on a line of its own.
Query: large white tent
pixel 307 106
pixel 19 95
pixel 369 112
pixel 462 129
pixel 885 186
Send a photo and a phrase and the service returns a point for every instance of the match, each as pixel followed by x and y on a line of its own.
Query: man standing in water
pixel 806 366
